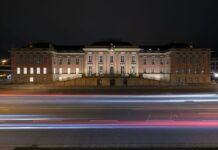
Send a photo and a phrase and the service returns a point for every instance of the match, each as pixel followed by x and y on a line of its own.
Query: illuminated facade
pixel 174 63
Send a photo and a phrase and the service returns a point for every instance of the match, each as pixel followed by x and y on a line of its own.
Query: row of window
pixel 101 59
pixel 69 71
pixel 31 70
pixel 101 70
pixel 69 61
pixel 161 61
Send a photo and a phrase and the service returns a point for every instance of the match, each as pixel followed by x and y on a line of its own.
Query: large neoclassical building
pixel 174 63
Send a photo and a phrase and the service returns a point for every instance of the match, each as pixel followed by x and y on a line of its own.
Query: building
pixel 5 70
pixel 173 63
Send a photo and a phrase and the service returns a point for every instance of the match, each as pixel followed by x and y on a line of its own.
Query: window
pixel 60 70
pixel 133 59
pixel 90 70
pixel 111 70
pixel 122 69
pixel 101 59
pixel 54 70
pixel 60 78
pixel 24 70
pixel 122 59
pixel 60 61
pixel 18 70
pixel 31 79
pixel 161 61
pixel 111 59
pixel 38 70
pixel 77 60
pixel 152 61
pixel 133 70
pixel 31 70
pixel 145 61
pixel 44 70
pixel 100 70
pixel 77 70
pixel 68 70
pixel 68 61
pixel 89 59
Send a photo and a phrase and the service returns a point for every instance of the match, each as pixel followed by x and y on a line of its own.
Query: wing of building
pixel 174 63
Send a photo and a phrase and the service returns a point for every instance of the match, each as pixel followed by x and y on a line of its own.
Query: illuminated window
pixel 77 70
pixel 90 70
pixel 100 70
pixel 60 78
pixel 38 70
pixel 31 79
pixel 24 70
pixel 60 70
pixel 31 70
pixel 44 70
pixel 18 70
pixel 68 70
pixel 54 70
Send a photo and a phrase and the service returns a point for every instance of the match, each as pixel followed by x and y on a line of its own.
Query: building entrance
pixel 112 82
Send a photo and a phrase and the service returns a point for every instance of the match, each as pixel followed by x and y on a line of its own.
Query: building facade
pixel 173 63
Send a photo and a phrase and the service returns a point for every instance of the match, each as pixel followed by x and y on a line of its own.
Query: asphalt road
pixel 92 120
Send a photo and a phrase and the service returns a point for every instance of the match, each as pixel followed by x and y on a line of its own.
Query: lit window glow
pixel 44 70
pixel 68 70
pixel 24 70
pixel 18 70
pixel 31 70
pixel 38 70
pixel 31 79
pixel 60 70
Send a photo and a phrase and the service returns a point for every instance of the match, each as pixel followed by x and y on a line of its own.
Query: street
pixel 93 120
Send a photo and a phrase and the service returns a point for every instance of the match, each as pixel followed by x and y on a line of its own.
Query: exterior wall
pixel 155 66
pixel 71 64
pixel 31 58
pixel 190 65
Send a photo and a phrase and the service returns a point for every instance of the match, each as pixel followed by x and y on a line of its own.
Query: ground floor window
pixel 111 70
pixel 77 70
pixel 31 79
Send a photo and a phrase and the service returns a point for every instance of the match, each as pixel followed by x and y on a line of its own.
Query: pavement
pixel 179 120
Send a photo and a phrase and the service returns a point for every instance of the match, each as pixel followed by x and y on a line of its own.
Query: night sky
pixel 81 22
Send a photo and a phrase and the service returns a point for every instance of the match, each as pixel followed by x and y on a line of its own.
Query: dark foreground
pixel 34 148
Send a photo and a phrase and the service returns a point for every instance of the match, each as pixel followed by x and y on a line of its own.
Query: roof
pixel 69 48
pixel 163 48
pixel 108 43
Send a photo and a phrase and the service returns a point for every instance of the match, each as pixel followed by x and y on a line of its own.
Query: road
pixel 93 120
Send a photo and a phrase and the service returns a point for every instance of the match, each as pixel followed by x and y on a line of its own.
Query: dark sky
pixel 144 22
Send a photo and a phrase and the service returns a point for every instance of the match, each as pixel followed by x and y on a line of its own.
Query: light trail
pixel 114 125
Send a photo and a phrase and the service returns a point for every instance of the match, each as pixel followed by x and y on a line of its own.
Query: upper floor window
pixel 111 59
pixel 18 71
pixel 161 61
pixel 122 59
pixel 60 61
pixel 77 60
pixel 101 59
pixel 145 61
pixel 152 62
pixel 90 59
pixel 68 61
pixel 133 59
